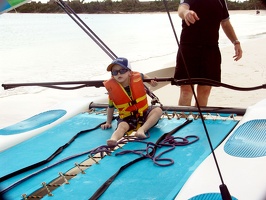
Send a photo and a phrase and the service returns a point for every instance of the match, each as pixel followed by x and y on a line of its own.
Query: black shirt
pixel 205 31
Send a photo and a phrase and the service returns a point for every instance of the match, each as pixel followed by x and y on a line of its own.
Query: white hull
pixel 245 177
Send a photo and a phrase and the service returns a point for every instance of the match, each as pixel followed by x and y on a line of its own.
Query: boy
pixel 127 93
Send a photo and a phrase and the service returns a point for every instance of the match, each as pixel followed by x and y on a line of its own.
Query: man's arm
pixel 230 33
pixel 229 30
pixel 189 16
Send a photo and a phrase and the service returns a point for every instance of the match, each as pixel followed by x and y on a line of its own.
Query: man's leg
pixel 203 93
pixel 185 95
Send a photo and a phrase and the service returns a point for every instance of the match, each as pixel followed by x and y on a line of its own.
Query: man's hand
pixel 238 52
pixel 190 17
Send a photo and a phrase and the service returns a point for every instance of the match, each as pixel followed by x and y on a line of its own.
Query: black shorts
pixel 133 120
pixel 201 62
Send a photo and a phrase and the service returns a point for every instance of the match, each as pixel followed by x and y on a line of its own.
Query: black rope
pixel 85 28
pixel 105 186
pixel 223 189
pixel 93 36
pixel 56 153
pixel 154 98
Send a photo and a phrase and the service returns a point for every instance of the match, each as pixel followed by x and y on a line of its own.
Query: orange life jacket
pixel 126 105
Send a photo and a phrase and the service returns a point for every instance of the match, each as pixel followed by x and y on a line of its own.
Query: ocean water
pixel 52 47
pixel 52 44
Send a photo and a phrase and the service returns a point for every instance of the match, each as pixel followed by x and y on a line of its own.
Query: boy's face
pixel 120 74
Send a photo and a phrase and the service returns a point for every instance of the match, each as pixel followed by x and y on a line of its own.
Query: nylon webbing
pixel 105 186
pixel 56 153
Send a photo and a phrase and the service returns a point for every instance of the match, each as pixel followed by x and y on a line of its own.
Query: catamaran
pixel 192 153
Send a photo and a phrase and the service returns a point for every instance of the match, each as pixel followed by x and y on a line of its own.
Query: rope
pixel 85 28
pixel 169 141
pixel 107 183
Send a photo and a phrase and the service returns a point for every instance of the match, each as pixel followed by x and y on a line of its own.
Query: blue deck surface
pixel 143 180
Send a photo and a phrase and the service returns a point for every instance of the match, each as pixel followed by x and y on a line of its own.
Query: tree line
pixel 124 6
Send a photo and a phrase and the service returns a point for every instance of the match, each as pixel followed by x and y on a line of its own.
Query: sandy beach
pixel 247 72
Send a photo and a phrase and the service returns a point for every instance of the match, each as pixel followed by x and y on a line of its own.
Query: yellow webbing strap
pixel 140 123
pixel 126 105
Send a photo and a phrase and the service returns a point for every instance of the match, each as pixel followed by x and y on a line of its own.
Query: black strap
pixel 105 186
pixel 57 152
pixel 154 98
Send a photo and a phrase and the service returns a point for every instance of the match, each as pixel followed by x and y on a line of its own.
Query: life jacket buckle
pixel 133 102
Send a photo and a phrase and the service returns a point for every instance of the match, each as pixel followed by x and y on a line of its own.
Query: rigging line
pixel 171 22
pixel 99 42
pixel 92 35
pixel 85 28
pixel 107 183
pixel 223 189
pixel 181 53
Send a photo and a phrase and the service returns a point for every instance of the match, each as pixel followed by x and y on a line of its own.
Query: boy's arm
pixel 110 113
pixel 108 124
pixel 153 83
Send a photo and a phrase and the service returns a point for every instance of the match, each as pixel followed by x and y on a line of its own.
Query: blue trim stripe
pixel 34 122
pixel 209 196
pixel 249 140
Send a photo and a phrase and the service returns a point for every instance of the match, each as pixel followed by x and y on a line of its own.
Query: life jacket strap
pixel 140 122
pixel 131 103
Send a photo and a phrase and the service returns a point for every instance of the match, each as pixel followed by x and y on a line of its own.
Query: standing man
pixel 201 20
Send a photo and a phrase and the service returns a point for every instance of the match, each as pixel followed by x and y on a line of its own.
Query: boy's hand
pixel 153 83
pixel 106 126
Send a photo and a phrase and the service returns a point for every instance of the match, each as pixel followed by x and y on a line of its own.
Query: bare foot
pixel 140 133
pixel 111 143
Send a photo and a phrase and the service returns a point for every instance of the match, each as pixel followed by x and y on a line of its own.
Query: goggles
pixel 121 71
